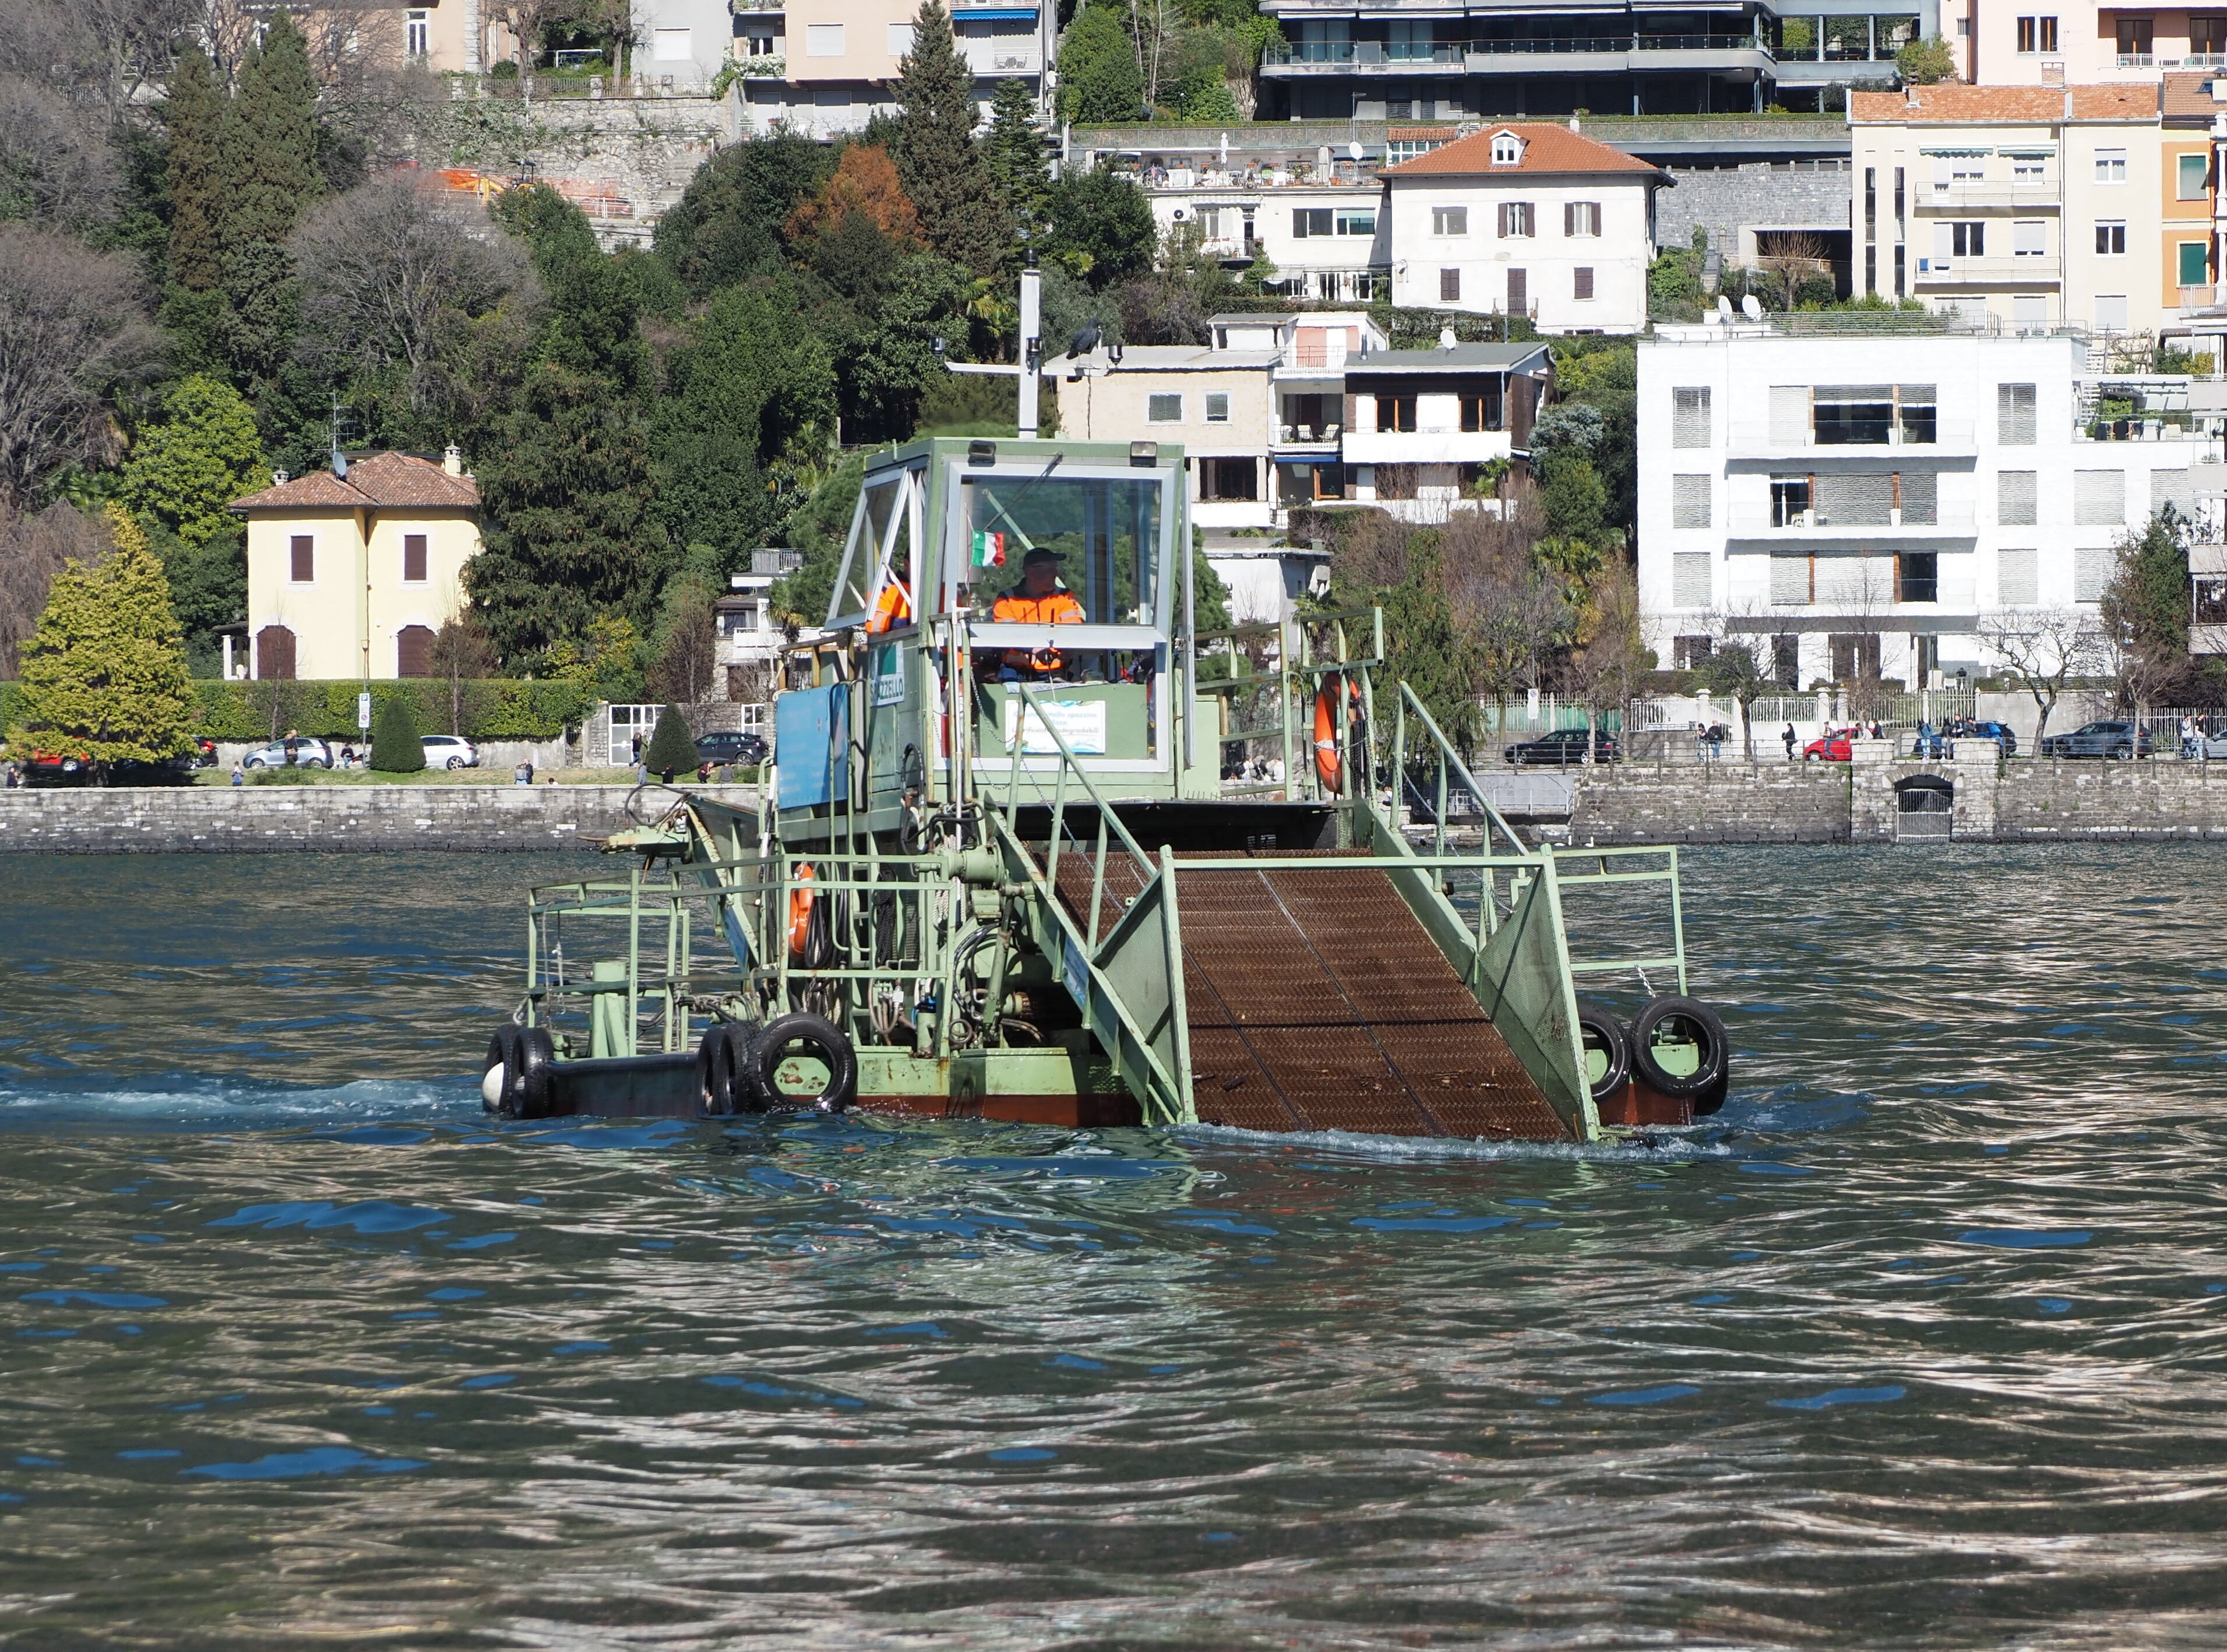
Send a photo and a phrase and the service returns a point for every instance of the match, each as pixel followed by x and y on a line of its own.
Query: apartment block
pixel 2034 207
pixel 823 67
pixel 2032 43
pixel 1854 505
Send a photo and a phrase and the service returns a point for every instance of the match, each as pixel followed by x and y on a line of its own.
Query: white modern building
pixel 1526 218
pixel 1859 505
pixel 825 67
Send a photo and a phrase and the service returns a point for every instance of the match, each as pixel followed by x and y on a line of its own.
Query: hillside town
pixel 1766 374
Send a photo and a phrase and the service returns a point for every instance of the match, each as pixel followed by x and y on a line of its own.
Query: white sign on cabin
pixel 1081 723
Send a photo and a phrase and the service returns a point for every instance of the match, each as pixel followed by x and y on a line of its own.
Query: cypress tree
pixel 1014 152
pixel 195 117
pixel 943 172
pixel 105 672
pixel 672 749
pixel 270 171
pixel 395 746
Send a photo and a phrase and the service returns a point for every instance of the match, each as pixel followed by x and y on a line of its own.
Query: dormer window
pixel 1506 148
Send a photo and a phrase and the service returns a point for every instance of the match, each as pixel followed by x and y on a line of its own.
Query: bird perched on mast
pixel 1080 346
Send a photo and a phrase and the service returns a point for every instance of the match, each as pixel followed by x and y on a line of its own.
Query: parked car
pixel 1564 746
pixel 75 768
pixel 298 751
pixel 2213 747
pixel 58 769
pixel 448 751
pixel 2105 739
pixel 1965 728
pixel 743 747
pixel 1832 747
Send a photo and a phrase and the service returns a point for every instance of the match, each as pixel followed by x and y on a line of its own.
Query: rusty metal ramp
pixel 1317 1001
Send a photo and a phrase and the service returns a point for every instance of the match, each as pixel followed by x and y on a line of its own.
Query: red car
pixel 1834 748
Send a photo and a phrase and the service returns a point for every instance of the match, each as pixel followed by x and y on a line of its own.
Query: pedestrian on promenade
pixel 1788 737
pixel 239 775
pixel 640 774
pixel 524 773
pixel 2188 737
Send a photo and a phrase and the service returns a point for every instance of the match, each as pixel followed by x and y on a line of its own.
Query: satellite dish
pixel 1751 309
pixel 1724 307
pixel 1353 151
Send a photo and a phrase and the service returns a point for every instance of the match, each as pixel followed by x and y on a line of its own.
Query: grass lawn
pixel 445 777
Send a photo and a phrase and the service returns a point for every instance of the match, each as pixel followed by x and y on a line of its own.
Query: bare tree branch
pixel 2042 649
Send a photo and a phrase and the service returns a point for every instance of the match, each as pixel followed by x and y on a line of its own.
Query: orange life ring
pixel 1326 763
pixel 800 911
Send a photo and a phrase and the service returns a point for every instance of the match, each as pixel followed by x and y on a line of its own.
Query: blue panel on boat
pixel 811 728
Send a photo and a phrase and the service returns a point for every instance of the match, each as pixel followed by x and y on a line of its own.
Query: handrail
pixel 1449 757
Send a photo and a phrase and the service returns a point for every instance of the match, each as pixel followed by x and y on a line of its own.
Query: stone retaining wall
pixel 1720 803
pixel 268 819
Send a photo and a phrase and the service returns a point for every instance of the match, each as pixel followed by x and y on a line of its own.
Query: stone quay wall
pixel 2023 801
pixel 276 820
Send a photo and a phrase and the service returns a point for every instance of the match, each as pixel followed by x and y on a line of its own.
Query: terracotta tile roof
pixel 386 481
pixel 2188 96
pixel 1963 105
pixel 1546 148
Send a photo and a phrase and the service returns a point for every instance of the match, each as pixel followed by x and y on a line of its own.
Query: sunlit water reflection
pixel 1921 1344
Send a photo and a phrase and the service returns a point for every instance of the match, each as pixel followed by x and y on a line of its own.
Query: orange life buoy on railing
pixel 800 911
pixel 1327 766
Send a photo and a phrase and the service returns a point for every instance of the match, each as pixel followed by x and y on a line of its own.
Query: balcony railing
pixel 1757 435
pixel 1446 54
pixel 1751 520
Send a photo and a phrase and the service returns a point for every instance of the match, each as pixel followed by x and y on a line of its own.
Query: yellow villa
pixel 352 576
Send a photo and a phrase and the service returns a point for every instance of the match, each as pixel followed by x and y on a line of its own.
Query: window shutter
pixel 1449 286
pixel 1689 501
pixel 2017 578
pixel 1790 416
pixel 2029 238
pixel 1503 217
pixel 304 570
pixel 2015 415
pixel 1689 574
pixel 1690 417
pixel 413 652
pixel 2092 572
pixel 1920 498
pixel 1789 578
pixel 2099 498
pixel 1582 284
pixel 1519 292
pixel 1569 218
pixel 2172 488
pixel 2014 499
pixel 1865 499
pixel 414 557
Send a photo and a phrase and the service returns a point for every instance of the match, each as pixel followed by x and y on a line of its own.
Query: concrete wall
pixel 1727 200
pixel 264 819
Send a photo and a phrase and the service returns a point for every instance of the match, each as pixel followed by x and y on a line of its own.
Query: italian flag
pixel 989 549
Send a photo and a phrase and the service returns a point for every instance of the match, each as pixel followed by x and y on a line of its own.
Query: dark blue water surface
pixel 1923 1342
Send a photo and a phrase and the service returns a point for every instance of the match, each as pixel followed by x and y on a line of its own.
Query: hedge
pixel 494 708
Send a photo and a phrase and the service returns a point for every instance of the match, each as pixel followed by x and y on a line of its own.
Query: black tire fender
pixel 723 1071
pixel 536 1053
pixel 824 1039
pixel 1596 1028
pixel 1689 1019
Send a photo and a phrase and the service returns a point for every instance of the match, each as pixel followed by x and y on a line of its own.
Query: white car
pixel 450 751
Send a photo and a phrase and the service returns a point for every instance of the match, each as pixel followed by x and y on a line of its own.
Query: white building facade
pixel 1526 218
pixel 1860 506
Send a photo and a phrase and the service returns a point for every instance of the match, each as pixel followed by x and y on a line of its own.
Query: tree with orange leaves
pixel 865 181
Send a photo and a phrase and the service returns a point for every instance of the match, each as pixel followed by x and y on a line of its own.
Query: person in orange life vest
pixel 891 608
pixel 1038 602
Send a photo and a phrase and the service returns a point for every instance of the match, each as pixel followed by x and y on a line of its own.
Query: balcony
pixel 1756 439
pixel 1945 597
pixel 992 58
pixel 1572 54
pixel 1806 528
pixel 1361 56
pixel 2036 194
pixel 2028 270
pixel 1432 446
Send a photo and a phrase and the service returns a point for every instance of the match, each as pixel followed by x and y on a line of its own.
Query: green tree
pixel 1101 226
pixel 568 495
pixel 1098 79
pixel 594 305
pixel 270 175
pixel 671 748
pixel 1733 671
pixel 195 117
pixel 1014 152
pixel 727 225
pixel 1926 62
pixel 396 748
pixel 2145 610
pixel 945 176
pixel 203 453
pixel 1603 373
pixel 104 673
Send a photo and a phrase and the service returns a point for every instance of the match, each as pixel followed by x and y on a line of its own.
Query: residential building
pixel 824 67
pixel 1526 218
pixel 1860 504
pixel 1314 213
pixel 2036 206
pixel 1385 60
pixel 352 571
pixel 1422 426
pixel 750 631
pixel 2037 42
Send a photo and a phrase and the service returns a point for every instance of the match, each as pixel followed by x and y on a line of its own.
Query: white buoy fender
pixel 491 1082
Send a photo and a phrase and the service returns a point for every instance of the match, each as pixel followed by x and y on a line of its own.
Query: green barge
pixel 1068 860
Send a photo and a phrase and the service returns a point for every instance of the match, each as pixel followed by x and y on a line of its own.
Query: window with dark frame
pixel 304 570
pixel 413 558
pixel 1481 409
pixel 1396 414
pixel 1449 286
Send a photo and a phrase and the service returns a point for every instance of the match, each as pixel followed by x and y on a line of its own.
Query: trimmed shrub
pixel 671 748
pixel 395 746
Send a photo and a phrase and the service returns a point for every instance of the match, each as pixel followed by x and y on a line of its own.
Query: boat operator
pixel 1041 599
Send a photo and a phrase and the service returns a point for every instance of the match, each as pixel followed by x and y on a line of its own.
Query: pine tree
pixel 195 117
pixel 672 749
pixel 104 673
pixel 395 746
pixel 205 453
pixel 942 171
pixel 1013 150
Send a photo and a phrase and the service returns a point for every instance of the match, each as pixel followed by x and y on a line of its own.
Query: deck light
pixel 981 455
pixel 1144 453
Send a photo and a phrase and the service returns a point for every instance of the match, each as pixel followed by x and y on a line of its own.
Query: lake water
pixel 1923 1342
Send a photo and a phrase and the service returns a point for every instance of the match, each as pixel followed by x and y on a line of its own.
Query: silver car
pixel 299 751
pixel 450 751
